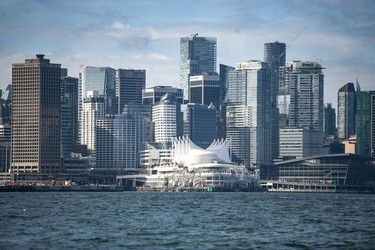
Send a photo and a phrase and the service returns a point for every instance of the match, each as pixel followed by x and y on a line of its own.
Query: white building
pixel 115 143
pixel 167 119
pixel 92 110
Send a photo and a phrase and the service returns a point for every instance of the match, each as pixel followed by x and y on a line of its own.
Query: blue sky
pixel 144 34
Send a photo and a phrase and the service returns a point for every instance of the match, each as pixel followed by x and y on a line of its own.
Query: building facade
pixel 299 142
pixel 36 116
pixel 166 119
pixel 205 89
pixel 365 123
pixel 69 115
pixel 274 56
pixel 197 55
pixel 346 107
pixel 306 83
pixel 248 113
pixel 130 84
pixel 101 80
pixel 93 109
pixel 200 123
pixel 115 143
pixel 154 94
pixel 329 119
pixel 141 114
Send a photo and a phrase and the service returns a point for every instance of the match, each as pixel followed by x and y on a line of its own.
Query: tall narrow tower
pixel 197 55
pixel 36 116
pixel 130 83
pixel 274 56
pixel 346 106
pixel 249 114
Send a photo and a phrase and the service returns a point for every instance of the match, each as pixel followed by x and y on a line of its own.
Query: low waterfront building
pixel 324 173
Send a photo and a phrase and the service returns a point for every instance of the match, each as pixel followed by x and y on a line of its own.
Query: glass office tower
pixel 249 113
pixel 197 55
pixel 346 106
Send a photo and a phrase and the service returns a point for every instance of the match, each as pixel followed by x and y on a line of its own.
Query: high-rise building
pixel 167 119
pixel 299 142
pixel 5 128
pixel 197 55
pixel 365 123
pixel 200 123
pixel 141 114
pixel 249 113
pixel 154 94
pixel 6 105
pixel 274 56
pixel 205 89
pixel 36 88
pixel 130 83
pixel 329 119
pixel 92 110
pixel 283 103
pixel 69 114
pixel 306 83
pixel 346 106
pixel 221 122
pixel 115 143
pixel 101 80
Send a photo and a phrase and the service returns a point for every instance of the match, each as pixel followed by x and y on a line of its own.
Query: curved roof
pixel 186 153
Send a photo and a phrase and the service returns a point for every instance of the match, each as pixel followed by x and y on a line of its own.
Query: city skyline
pixel 145 35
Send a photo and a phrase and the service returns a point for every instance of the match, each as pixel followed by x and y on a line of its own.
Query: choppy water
pixel 141 220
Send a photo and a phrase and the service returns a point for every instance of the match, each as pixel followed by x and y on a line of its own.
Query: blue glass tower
pixel 197 55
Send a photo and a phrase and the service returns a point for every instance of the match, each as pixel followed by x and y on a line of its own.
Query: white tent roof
pixel 185 152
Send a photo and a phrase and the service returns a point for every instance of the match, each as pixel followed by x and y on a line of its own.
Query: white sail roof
pixel 186 153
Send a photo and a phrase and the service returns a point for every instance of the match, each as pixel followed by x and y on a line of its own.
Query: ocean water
pixel 166 220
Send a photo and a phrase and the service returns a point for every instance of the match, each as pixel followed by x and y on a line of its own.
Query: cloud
pixel 119 26
pixel 152 56
pixel 135 35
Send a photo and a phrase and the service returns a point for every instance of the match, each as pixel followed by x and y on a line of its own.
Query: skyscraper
pixel 365 123
pixel 36 116
pixel 205 89
pixel 346 106
pixel 197 55
pixel 200 123
pixel 69 114
pixel 92 110
pixel 306 82
pixel 306 85
pixel 249 113
pixel 167 119
pixel 274 56
pixel 154 94
pixel 130 83
pixel 116 143
pixel 221 122
pixel 329 119
pixel 141 114
pixel 101 80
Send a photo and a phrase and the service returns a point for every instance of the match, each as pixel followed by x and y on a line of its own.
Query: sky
pixel 145 34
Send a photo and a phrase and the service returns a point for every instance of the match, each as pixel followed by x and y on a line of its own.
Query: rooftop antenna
pixel 357 86
pixel 298 34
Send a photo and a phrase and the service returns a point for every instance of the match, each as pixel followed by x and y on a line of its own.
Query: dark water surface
pixel 151 220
